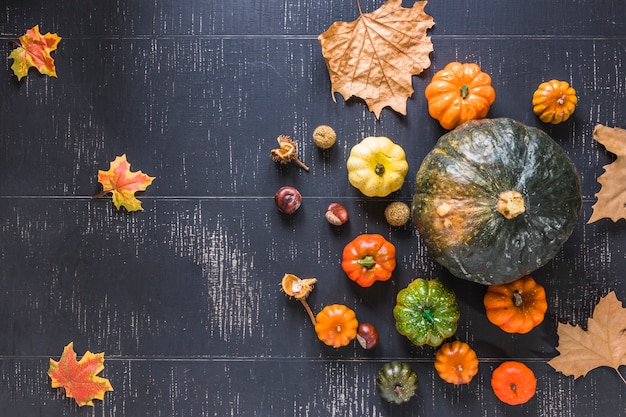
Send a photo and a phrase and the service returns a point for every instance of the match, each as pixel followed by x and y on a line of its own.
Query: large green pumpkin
pixel 495 200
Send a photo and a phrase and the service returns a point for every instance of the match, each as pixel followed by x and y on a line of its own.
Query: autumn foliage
pixel 79 378
pixel 602 344
pixel 612 196
pixel 122 184
pixel 375 56
pixel 34 51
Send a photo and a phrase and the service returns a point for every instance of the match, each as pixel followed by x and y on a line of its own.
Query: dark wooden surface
pixel 184 297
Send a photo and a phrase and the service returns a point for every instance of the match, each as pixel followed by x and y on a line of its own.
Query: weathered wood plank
pixel 305 388
pixel 201 278
pixel 195 113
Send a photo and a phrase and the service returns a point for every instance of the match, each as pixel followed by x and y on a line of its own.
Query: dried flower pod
pixel 287 152
pixel 300 290
pixel 296 287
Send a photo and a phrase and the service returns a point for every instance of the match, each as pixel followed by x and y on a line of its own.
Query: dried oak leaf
pixel 603 344
pixel 375 56
pixel 612 196
pixel 34 51
pixel 123 184
pixel 79 379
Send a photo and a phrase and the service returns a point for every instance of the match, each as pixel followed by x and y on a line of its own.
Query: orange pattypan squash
pixel 336 325
pixel 456 362
pixel 458 93
pixel 513 383
pixel 554 101
pixel 516 307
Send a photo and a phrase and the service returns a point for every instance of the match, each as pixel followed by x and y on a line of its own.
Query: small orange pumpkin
pixel 554 101
pixel 336 325
pixel 516 307
pixel 513 383
pixel 456 362
pixel 458 93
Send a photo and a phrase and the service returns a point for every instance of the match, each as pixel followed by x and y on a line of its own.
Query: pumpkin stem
pixel 398 390
pixel 428 315
pixel 368 261
pixel 511 204
pixel 380 169
pixel 517 299
pixel 464 91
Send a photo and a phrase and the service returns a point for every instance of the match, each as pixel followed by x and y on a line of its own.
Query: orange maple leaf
pixel 375 56
pixel 603 344
pixel 612 196
pixel 34 51
pixel 123 184
pixel 79 379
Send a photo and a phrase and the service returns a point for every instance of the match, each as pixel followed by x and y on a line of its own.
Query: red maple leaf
pixel 79 379
pixel 34 51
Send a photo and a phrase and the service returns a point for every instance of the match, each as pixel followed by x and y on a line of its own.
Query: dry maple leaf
pixel 612 196
pixel 603 344
pixel 34 51
pixel 123 184
pixel 375 56
pixel 79 379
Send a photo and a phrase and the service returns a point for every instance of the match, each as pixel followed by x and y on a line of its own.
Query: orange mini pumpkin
pixel 458 93
pixel 336 325
pixel 516 307
pixel 456 362
pixel 554 101
pixel 513 383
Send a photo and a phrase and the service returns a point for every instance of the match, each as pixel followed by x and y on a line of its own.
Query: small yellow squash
pixel 377 166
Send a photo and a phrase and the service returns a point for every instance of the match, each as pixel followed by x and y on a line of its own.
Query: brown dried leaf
pixel 612 196
pixel 603 344
pixel 375 56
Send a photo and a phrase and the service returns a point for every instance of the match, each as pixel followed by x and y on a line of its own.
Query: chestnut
pixel 367 335
pixel 288 199
pixel 336 214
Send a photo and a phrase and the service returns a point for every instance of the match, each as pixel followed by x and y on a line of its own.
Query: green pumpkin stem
pixel 428 315
pixel 368 261
pixel 464 91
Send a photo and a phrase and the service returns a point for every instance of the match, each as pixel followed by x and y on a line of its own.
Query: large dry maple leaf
pixel 34 51
pixel 375 56
pixel 122 184
pixel 612 196
pixel 603 344
pixel 79 379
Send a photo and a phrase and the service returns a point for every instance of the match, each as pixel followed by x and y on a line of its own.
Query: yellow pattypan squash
pixel 377 166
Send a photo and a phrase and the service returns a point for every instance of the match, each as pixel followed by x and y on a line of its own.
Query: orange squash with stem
pixel 516 307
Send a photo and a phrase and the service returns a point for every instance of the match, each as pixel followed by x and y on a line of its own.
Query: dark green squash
pixel 397 382
pixel 495 200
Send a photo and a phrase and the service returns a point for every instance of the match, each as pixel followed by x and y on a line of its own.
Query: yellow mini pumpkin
pixel 377 166
pixel 554 101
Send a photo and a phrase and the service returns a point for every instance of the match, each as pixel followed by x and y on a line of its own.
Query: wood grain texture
pixel 184 297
